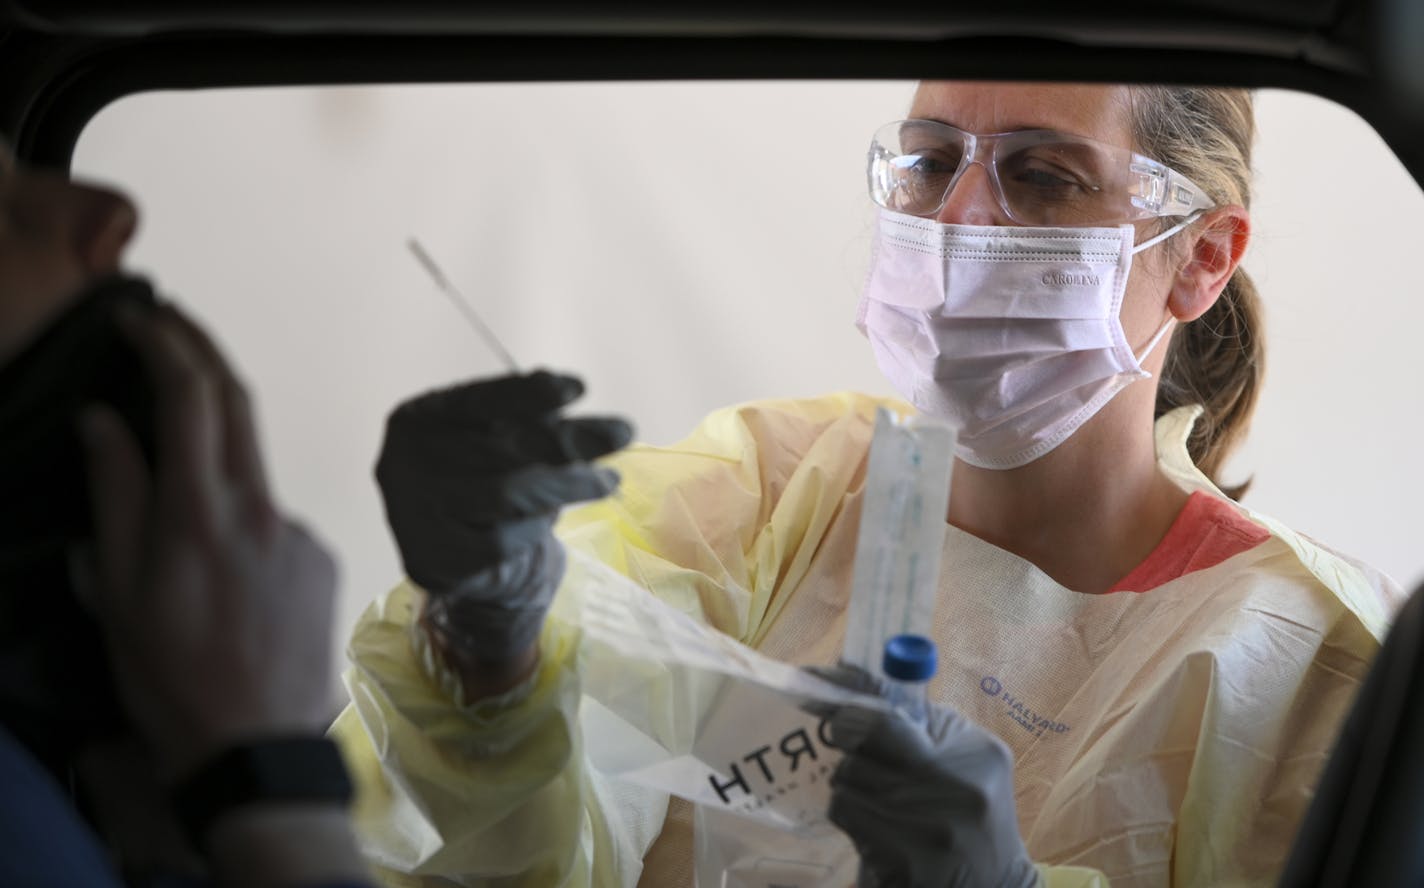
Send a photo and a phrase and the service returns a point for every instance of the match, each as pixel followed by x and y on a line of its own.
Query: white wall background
pixel 685 246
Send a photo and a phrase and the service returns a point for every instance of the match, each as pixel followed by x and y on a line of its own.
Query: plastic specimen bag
pixel 672 704
pixel 675 705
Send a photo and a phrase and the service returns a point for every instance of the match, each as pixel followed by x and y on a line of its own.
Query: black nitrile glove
pixel 927 805
pixel 473 478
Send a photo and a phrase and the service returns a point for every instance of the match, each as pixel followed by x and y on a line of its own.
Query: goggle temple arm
pixel 1157 190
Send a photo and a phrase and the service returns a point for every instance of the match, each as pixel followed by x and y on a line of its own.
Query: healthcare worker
pixel 1140 679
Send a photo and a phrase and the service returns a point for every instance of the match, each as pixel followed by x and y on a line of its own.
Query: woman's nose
pixel 971 201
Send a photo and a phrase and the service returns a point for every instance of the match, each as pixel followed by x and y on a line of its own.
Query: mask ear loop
pixel 1155 340
pixel 1152 242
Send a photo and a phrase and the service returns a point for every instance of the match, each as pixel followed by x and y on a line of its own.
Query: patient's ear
pixel 1218 241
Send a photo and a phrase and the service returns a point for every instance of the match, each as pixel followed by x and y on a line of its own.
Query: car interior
pixel 64 62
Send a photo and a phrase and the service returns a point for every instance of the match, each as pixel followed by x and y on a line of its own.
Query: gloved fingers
pixel 860 775
pixel 520 395
pixel 589 437
pixel 494 446
pixel 956 737
pixel 881 870
pixel 539 489
pixel 507 444
pixel 848 727
pixel 821 709
pixel 899 742
pixel 870 819
pixel 886 735
pixel 441 560
pixel 892 817
pixel 529 492
pixel 878 835
pixel 847 676
pixel 896 787
pixel 903 827
pixel 841 675
pixel 446 503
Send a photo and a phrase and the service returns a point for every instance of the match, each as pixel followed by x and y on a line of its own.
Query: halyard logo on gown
pixel 1019 711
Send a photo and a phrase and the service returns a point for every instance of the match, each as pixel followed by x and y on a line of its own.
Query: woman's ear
pixel 1219 242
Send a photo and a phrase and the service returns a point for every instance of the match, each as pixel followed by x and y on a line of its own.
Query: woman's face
pixel 1091 111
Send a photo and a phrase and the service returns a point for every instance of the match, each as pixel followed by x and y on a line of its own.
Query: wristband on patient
pixel 288 770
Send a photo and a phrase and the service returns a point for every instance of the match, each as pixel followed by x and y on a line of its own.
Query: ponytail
pixel 1217 360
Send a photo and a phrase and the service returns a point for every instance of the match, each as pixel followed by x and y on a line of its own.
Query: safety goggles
pixel 1039 177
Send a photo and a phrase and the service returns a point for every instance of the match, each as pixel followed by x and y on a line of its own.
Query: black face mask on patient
pixel 56 691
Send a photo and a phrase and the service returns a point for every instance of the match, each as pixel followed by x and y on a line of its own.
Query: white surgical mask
pixel 1011 333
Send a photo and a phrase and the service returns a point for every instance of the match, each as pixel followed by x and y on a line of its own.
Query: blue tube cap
pixel 910 658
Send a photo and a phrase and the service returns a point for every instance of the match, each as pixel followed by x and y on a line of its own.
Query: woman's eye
pixel 1051 179
pixel 933 166
pixel 928 172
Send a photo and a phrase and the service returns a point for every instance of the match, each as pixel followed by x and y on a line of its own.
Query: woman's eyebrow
pixel 1012 128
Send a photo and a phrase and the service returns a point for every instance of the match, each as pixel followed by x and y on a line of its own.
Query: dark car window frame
pixel 62 62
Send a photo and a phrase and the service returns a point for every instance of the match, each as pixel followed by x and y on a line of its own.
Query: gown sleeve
pixel 499 792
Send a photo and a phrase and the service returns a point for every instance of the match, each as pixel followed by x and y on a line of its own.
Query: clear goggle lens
pixel 1039 177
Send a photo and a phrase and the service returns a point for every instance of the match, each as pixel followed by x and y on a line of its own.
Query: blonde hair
pixel 1217 360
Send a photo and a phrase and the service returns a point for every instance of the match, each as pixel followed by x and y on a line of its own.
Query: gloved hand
pixel 925 805
pixel 473 477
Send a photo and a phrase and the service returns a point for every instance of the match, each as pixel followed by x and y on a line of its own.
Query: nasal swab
pixel 441 281
pixel 462 304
